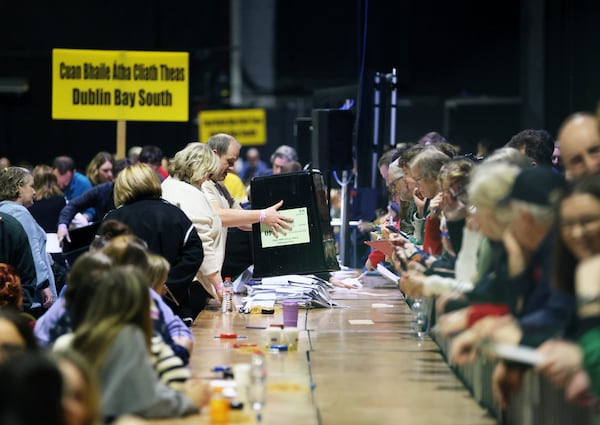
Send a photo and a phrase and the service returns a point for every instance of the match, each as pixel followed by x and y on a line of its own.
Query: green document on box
pixel 297 235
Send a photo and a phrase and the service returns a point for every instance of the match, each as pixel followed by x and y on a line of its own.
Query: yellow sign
pixel 248 126
pixel 120 85
pixel 298 234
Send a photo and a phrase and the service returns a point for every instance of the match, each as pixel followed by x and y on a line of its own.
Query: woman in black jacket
pixel 166 230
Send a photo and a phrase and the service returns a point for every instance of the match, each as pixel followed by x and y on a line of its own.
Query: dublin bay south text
pixel 119 97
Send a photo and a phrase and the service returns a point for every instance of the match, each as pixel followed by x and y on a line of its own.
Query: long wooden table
pixel 342 373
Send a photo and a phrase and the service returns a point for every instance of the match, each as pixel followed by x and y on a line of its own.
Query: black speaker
pixel 332 139
pixel 303 136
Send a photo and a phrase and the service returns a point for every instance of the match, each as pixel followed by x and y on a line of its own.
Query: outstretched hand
pixel 63 232
pixel 277 223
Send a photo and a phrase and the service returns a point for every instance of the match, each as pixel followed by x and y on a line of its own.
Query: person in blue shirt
pixel 71 182
pixel 253 166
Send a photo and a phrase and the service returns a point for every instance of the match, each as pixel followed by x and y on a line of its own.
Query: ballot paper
pixel 516 353
pixel 308 291
pixel 352 282
pixel 388 274
pixel 52 244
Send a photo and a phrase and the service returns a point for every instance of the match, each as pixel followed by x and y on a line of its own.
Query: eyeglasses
pixel 451 192
pixel 586 224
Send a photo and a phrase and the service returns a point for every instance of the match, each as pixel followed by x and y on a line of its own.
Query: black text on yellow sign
pixel 120 85
pixel 248 126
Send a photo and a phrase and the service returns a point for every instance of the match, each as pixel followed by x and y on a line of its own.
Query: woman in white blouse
pixel 191 167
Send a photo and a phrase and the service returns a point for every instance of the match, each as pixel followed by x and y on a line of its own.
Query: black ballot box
pixel 309 247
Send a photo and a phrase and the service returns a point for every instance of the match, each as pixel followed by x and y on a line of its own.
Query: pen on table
pixel 256 327
pixel 292 282
pixel 230 336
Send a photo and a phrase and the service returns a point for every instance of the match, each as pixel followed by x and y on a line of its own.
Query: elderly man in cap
pixel 537 311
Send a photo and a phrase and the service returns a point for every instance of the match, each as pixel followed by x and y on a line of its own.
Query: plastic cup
pixel 290 337
pixel 241 375
pixel 273 336
pixel 290 314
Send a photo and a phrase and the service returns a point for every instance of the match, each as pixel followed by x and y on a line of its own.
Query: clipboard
pixel 382 245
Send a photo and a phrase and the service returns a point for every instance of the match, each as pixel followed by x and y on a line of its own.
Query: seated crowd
pixel 108 330
pixel 506 246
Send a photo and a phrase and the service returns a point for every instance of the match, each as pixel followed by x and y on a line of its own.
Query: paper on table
pixel 370 294
pixel 264 296
pixel 353 282
pixel 285 279
pixel 263 299
pixel 386 273
pixel 361 322
pixel 381 305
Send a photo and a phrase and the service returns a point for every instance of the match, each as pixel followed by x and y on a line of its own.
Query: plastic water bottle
pixel 419 321
pixel 257 390
pixel 227 303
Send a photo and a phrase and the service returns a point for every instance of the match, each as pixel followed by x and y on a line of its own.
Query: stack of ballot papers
pixel 308 291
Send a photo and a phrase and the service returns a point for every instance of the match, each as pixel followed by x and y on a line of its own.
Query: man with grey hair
pixel 229 210
pixel 232 215
pixel 238 254
pixel 540 310
pixel 537 311
pixel 282 156
pixel 133 154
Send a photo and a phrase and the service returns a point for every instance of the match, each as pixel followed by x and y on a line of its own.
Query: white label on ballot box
pixel 298 234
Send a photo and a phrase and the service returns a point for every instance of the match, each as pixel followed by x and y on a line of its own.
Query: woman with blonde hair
pixel 191 167
pixel 166 230
pixel 124 248
pixel 115 338
pixel 100 168
pixel 171 331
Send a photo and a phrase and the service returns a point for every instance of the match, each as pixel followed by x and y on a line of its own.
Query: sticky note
pixel 361 322
pixel 381 305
